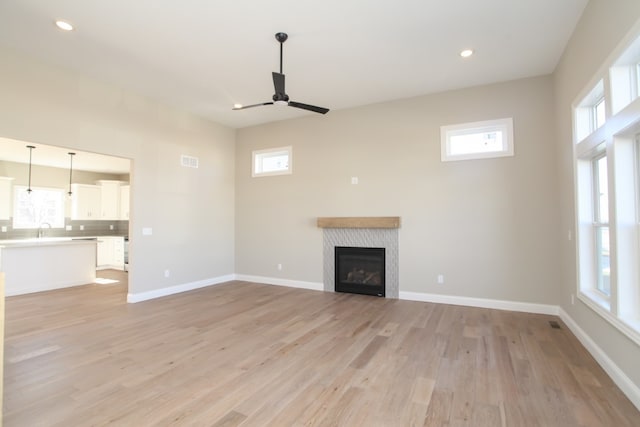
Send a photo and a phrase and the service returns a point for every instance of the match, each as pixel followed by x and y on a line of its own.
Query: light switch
pixel 147 231
pixel 81 227
pixel 4 228
pixel 68 228
pixel 354 179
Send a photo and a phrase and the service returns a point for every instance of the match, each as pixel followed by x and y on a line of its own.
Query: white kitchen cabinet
pixel 105 252
pixel 110 252
pixel 124 202
pixel 85 201
pixel 118 252
pixel 6 184
pixel 109 199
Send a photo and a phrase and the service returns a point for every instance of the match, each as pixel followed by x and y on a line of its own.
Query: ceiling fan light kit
pixel 280 96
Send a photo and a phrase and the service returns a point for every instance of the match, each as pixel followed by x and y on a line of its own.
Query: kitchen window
pixel 41 206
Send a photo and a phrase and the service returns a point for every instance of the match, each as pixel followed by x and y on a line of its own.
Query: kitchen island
pixel 35 265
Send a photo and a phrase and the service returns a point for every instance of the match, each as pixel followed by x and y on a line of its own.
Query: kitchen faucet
pixel 41 231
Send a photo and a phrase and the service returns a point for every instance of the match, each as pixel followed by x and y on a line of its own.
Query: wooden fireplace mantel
pixel 359 222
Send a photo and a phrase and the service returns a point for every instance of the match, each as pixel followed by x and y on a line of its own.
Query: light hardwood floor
pixel 259 355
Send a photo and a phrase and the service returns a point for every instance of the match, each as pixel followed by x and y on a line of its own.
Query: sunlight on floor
pixel 101 281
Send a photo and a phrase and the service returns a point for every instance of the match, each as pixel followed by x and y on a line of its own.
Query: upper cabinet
pixel 124 202
pixel 85 201
pixel 110 199
pixel 5 197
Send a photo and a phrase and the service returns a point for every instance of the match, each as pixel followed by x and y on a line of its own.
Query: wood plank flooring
pixel 244 354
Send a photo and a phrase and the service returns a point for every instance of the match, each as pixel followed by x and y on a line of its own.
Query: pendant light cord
pixel 70 170
pixel 30 147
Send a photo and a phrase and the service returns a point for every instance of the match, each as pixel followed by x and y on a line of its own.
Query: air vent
pixel 189 161
pixel 554 324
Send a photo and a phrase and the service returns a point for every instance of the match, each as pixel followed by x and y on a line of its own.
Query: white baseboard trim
pixel 158 293
pixel 618 376
pixel 314 286
pixel 481 302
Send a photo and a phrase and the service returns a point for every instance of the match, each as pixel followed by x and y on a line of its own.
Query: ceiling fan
pixel 281 97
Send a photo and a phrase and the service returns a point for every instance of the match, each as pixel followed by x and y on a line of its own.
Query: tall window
pixel 41 206
pixel 607 162
pixel 601 225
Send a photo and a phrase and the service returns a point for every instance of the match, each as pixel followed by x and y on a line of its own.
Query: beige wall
pixel 44 176
pixel 488 225
pixel 191 211
pixel 603 25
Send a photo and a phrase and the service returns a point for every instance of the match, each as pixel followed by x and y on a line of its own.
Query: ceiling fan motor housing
pixel 280 97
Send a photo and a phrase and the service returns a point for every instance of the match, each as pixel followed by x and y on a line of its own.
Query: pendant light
pixel 30 147
pixel 70 170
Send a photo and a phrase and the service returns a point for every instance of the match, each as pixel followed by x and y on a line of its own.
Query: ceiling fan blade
pixel 278 83
pixel 313 108
pixel 244 107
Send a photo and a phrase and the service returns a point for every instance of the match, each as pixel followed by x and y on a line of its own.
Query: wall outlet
pixel 81 227
pixel 147 231
pixel 167 273
pixel 280 267
pixel 110 226
pixel 354 179
pixel 4 228
pixel 68 228
pixel 440 279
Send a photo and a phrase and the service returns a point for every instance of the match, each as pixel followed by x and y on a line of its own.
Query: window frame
pixel 585 113
pixel 596 124
pixel 618 81
pixel 258 157
pixel 599 225
pixel 504 125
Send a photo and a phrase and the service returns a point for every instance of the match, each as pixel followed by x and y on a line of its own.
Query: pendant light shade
pixel 70 170
pixel 30 147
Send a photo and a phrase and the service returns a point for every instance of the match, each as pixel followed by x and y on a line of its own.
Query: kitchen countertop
pixel 49 241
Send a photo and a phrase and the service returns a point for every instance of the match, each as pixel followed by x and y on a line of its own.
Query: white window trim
pixel 622 122
pixel 504 125
pixel 257 154
pixel 585 122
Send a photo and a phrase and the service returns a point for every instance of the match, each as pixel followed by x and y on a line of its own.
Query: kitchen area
pixel 64 217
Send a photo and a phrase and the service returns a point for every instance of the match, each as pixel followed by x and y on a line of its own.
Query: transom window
pixel 477 140
pixel 272 161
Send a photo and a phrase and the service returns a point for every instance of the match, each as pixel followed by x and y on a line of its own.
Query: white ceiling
pixel 206 55
pixel 45 155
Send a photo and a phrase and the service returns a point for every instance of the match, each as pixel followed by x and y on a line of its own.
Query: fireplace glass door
pixel 360 270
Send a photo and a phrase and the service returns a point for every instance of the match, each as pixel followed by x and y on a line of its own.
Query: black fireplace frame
pixel 375 290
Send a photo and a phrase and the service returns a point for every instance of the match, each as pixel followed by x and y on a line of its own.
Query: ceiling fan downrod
pixel 281 37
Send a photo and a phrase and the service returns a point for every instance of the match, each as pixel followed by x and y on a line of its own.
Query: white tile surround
pixel 366 238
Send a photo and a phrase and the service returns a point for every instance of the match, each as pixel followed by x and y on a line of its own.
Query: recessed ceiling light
pixel 64 25
pixel 466 53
